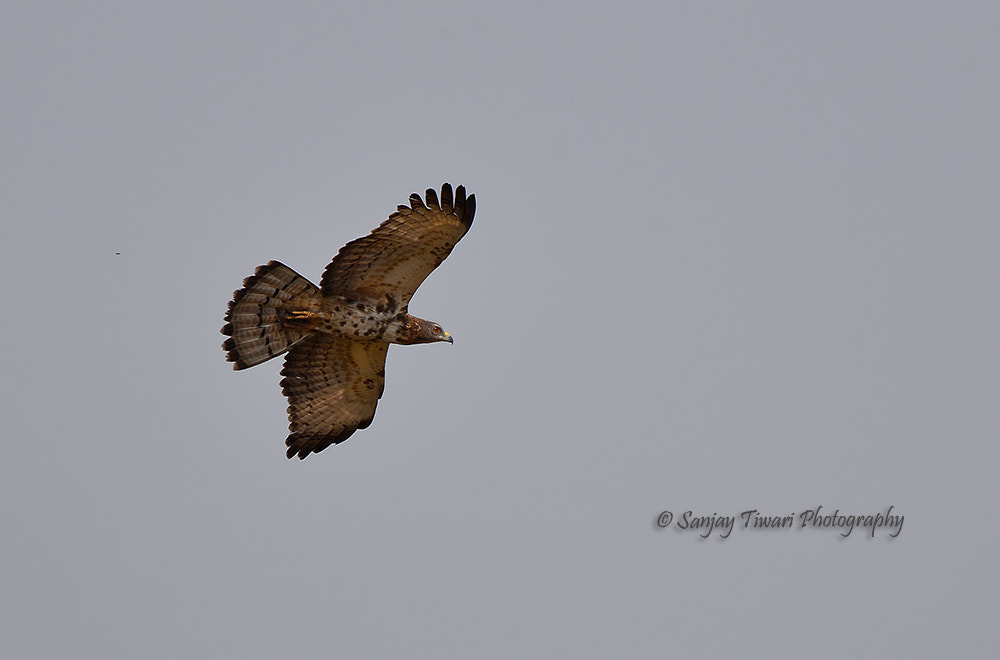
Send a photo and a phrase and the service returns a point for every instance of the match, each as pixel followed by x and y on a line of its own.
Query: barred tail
pixel 255 321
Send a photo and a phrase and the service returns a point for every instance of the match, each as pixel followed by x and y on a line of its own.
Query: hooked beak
pixel 448 338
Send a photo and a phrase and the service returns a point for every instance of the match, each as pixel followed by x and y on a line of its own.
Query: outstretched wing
pixel 333 385
pixel 399 254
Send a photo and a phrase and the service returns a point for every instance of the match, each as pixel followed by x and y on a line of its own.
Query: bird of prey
pixel 336 335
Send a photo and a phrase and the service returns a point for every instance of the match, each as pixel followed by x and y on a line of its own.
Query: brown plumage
pixel 337 334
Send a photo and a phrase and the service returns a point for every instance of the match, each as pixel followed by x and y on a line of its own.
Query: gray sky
pixel 727 256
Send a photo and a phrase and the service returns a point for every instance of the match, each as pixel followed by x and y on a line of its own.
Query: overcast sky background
pixel 727 256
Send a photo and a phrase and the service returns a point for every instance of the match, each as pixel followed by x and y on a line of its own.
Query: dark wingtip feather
pixel 232 355
pixel 447 203
pixel 298 446
pixel 458 204
pixel 292 441
pixel 469 210
pixel 432 199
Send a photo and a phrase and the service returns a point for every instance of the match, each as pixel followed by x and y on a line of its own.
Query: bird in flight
pixel 336 335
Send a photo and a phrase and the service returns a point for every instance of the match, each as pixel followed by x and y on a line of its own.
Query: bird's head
pixel 431 332
pixel 419 331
